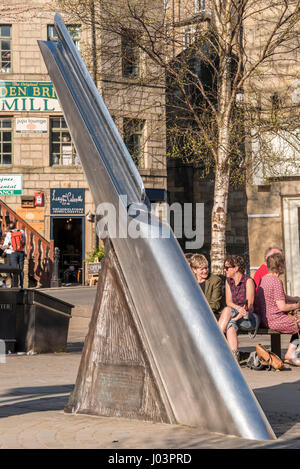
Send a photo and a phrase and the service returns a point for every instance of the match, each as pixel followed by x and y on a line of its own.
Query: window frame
pixel 2 51
pixel 2 142
pixel 132 60
pixel 188 36
pixel 199 6
pixel 137 129
pixel 61 158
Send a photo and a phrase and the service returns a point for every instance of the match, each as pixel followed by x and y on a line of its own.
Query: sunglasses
pixel 226 267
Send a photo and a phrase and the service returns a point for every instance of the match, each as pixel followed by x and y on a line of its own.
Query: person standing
pixel 7 253
pixel 263 269
pixel 15 243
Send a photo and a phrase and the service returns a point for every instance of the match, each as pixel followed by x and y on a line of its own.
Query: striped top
pixel 238 291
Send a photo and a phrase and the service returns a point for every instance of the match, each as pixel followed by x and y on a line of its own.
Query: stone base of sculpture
pixel 115 377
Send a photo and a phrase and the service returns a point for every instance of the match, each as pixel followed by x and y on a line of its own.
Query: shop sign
pixel 10 184
pixel 28 96
pixel 94 268
pixel 31 125
pixel 66 201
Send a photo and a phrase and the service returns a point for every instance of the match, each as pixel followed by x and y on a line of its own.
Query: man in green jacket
pixel 210 284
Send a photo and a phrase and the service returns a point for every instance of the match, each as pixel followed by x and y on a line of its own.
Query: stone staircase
pixel 39 252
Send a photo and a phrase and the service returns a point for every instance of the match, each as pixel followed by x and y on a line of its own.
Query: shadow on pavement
pixel 280 404
pixel 73 347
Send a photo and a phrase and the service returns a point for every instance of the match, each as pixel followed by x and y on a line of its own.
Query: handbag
pixel 269 358
pixel 254 363
pixel 292 316
pixel 250 325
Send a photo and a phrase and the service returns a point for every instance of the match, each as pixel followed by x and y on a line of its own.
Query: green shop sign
pixel 24 96
pixel 10 184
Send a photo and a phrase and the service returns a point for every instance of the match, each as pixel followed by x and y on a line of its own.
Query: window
pixel 188 36
pixel 275 101
pixel 166 4
pixel 62 150
pixel 5 45
pixel 199 5
pixel 134 139
pixel 74 30
pixel 5 140
pixel 130 56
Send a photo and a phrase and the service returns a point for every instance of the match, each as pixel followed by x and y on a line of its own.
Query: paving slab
pixel 35 389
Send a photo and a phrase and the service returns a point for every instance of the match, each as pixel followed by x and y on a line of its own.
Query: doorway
pixel 67 233
pixel 291 223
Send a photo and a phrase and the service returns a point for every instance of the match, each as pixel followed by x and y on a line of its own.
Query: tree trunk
pixel 218 221
pixel 222 173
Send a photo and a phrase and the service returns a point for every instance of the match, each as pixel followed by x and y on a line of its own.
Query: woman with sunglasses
pixel 239 291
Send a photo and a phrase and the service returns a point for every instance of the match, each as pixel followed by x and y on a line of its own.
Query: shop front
pixel 67 229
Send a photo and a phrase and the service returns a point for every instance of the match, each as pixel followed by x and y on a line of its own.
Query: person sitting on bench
pixel 210 284
pixel 239 291
pixel 275 308
pixel 263 269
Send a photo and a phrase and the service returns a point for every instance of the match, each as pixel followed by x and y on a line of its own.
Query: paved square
pixel 34 390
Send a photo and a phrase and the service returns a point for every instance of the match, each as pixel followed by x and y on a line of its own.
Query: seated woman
pixel 273 306
pixel 210 284
pixel 239 292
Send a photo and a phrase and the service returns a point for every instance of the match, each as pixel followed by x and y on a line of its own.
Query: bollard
pixel 55 281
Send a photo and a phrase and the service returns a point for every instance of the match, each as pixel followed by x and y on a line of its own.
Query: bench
pixel 275 339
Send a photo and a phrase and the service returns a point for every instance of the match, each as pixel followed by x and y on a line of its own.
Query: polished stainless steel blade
pixel 198 378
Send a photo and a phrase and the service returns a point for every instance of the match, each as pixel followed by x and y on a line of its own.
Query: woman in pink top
pixel 273 306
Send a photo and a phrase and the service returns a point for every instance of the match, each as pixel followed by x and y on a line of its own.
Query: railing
pixel 39 252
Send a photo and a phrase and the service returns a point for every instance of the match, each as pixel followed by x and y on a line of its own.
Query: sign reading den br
pixel 35 96
pixel 67 201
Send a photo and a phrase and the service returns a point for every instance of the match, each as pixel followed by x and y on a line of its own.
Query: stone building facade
pixel 273 200
pixel 266 211
pixel 186 182
pixel 41 178
pixel 186 185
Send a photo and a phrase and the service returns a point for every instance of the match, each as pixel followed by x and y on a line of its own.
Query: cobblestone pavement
pixel 35 389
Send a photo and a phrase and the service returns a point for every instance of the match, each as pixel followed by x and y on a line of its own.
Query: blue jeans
pixel 242 323
pixel 17 260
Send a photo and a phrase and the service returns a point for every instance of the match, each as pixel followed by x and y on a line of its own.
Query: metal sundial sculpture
pixel 154 350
